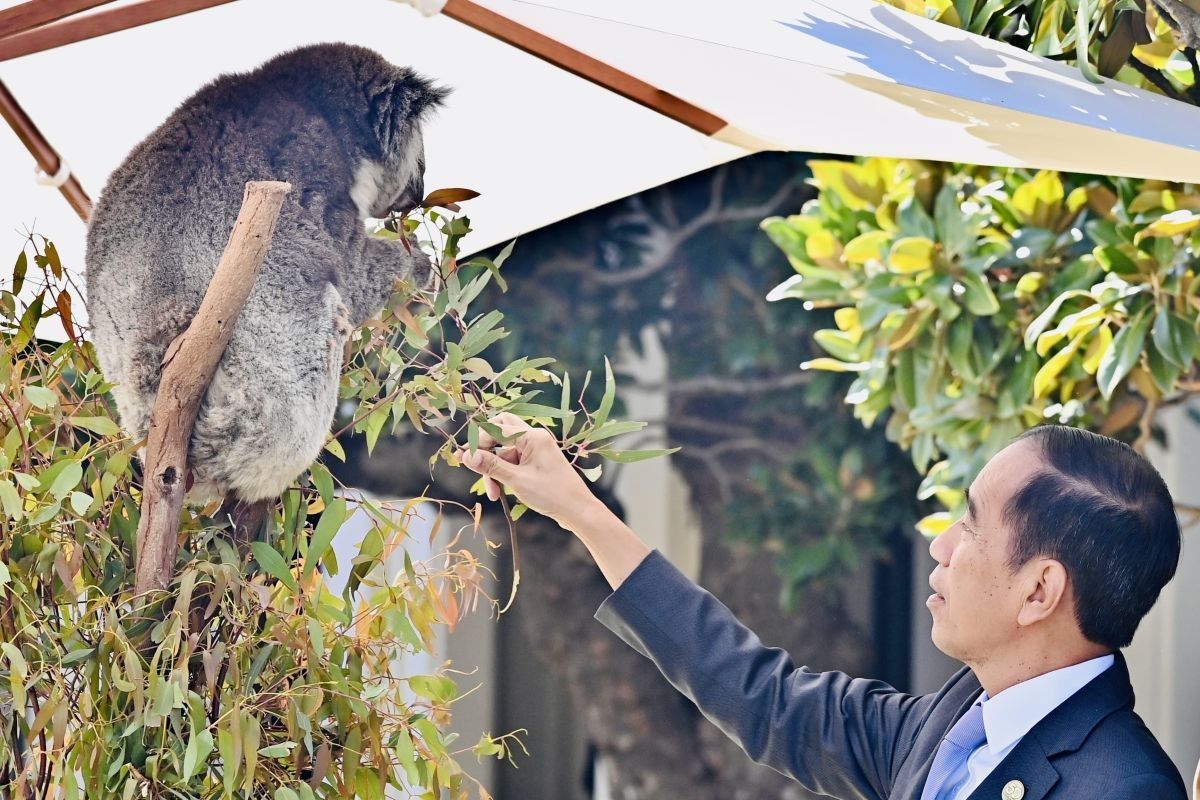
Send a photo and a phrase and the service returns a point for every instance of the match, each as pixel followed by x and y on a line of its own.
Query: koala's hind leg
pixel 382 262
pixel 247 519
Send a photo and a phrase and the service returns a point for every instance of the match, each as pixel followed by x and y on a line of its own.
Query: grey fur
pixel 342 125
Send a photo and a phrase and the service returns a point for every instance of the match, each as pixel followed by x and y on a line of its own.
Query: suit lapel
pixel 911 782
pixel 1027 763
pixel 1062 731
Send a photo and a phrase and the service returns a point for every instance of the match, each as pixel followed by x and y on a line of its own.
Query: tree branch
pixel 1194 91
pixel 1160 81
pixel 723 385
pixel 187 370
pixel 667 240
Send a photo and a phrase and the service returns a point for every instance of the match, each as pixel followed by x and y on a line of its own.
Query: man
pixel 1067 541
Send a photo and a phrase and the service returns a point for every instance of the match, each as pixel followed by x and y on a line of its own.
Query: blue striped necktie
pixel 949 770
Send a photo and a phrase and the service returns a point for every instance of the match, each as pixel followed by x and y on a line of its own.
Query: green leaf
pixel 935 524
pixel 276 751
pixel 1174 337
pixel 323 480
pixel 373 425
pixel 833 365
pixel 630 456
pixel 979 297
pixel 1044 319
pixel 433 687
pixel 41 397
pixel 53 260
pixel 610 394
pixel 1115 261
pixel 10 501
pixel 19 271
pixel 955 229
pixel 914 220
pixel 101 425
pixel 911 254
pixel 1123 354
pixel 870 246
pixel 481 334
pixel 60 478
pixel 330 523
pixel 195 755
pixel 1163 371
pixel 534 410
pixel 335 448
pixel 283 792
pixel 273 564
pixel 80 502
pixel 613 428
pixel 838 344
pixel 1047 376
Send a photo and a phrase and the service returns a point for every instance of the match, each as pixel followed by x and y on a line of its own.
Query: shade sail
pixel 541 144
pixel 858 77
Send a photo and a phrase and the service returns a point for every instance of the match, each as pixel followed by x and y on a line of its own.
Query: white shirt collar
pixel 1011 714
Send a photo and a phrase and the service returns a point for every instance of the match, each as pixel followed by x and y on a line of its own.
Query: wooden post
pixel 187 369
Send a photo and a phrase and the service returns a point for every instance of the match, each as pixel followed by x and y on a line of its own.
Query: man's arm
pixel 1150 784
pixel 835 735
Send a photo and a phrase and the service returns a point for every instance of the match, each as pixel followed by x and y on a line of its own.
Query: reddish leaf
pixel 448 198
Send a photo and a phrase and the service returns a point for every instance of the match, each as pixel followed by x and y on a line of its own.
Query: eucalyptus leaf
pixel 273 564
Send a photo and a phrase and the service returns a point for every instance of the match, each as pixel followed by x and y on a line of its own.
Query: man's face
pixel 977 598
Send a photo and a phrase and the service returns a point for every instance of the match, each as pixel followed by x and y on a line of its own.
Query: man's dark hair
pixel 1099 508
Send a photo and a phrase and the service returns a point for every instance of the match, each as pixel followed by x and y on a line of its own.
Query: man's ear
pixel 1046 590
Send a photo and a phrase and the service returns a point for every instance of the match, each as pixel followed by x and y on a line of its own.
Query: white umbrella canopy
pixel 538 143
pixel 861 78
pixel 541 144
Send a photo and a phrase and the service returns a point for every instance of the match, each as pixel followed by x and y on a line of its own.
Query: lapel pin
pixel 1013 790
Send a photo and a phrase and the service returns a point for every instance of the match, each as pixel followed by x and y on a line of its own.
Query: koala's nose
pixel 411 197
pixel 406 202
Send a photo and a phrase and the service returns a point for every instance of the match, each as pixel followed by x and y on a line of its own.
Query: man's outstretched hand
pixel 537 472
pixel 533 467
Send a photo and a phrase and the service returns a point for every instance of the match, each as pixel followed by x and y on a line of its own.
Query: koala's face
pixel 395 184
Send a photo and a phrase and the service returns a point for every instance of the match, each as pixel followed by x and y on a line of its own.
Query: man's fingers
pixel 506 419
pixel 489 464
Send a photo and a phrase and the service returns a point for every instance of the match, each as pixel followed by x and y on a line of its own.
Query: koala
pixel 343 126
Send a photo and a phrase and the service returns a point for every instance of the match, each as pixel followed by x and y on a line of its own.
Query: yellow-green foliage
pixel 975 302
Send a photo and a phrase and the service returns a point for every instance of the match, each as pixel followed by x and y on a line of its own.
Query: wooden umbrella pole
pixel 187 369
pixel 582 65
pixel 29 15
pixel 47 158
pixel 78 27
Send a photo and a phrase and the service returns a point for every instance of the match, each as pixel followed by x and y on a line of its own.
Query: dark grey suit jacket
pixel 851 738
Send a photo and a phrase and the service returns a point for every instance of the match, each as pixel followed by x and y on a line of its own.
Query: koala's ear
pixel 420 95
pixel 399 104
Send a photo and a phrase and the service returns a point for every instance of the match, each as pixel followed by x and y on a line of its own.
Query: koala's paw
pixel 421 270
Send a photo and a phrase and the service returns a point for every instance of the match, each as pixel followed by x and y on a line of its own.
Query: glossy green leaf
pixel 1123 354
